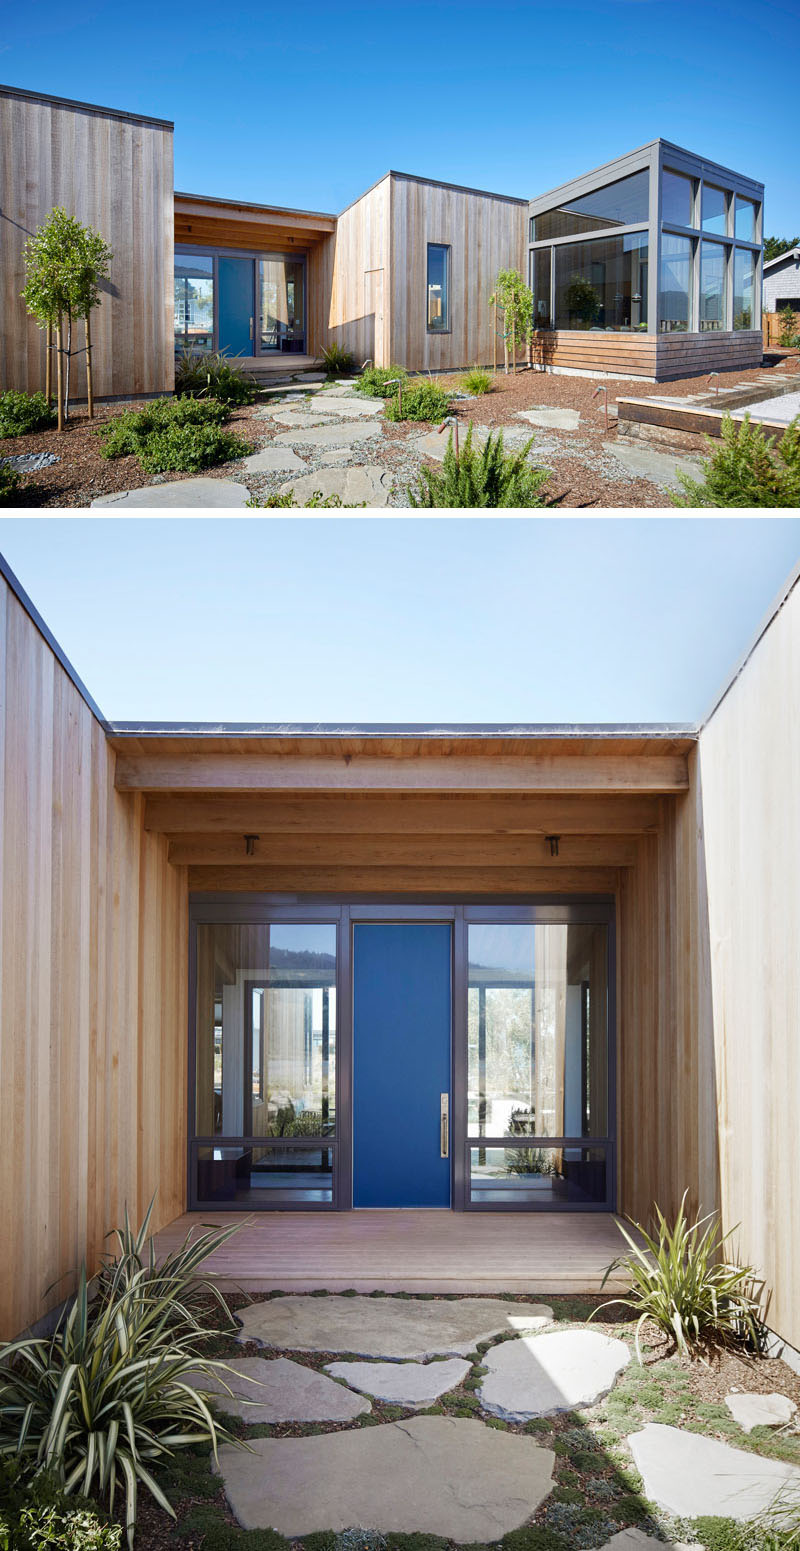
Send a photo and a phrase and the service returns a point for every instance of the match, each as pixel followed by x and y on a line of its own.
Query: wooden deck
pixel 410 1251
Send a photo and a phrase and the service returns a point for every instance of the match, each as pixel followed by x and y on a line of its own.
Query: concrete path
pixel 181 492
pixel 694 1477
pixel 403 1384
pixel 278 1390
pixel 386 1327
pixel 432 1475
pixel 540 1375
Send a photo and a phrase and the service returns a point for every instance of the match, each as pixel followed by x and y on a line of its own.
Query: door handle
pixel 444 1125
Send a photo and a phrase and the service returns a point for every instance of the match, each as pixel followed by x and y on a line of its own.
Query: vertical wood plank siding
pixel 114 174
pixel 93 944
pixel 341 294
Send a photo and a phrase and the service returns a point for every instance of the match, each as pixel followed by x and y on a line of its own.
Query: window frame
pixel 446 248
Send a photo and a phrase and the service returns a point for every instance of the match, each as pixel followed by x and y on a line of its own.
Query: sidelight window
pixel 438 289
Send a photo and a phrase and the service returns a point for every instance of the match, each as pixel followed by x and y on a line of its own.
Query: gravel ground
pixel 584 474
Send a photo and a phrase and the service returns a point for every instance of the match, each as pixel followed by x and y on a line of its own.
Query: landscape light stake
pixel 451 420
pixel 601 388
pixel 713 374
pixel 398 383
pixel 494 337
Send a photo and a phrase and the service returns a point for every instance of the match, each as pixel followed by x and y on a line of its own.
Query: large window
pixel 675 285
pixel 746 220
pixel 438 289
pixel 715 210
pixel 744 289
pixel 541 287
pixel 622 203
pixel 602 284
pixel 194 302
pixel 281 304
pixel 677 199
pixel 713 286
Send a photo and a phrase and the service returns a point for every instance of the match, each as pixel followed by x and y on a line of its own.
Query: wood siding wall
pixel 114 174
pixel 485 233
pixel 750 759
pixel 656 357
pixel 93 944
pixel 348 280
pixel 688 355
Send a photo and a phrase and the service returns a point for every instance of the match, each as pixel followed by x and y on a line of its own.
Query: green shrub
pixel 337 362
pixel 59 1529
pixel 191 447
pixel 182 434
pixel 749 469
pixel 683 1282
pixel 789 328
pixel 373 380
pixel 477 380
pixel 125 434
pixel 476 479
pixel 21 413
pixel 213 376
pixel 11 485
pixel 421 401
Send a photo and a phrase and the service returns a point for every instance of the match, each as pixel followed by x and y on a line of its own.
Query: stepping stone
pixel 181 492
pixel 330 435
pixel 350 404
pixel 659 467
pixel 430 1474
pixel 336 455
pixel 353 485
pixel 278 1390
pixel 386 1327
pixel 434 445
pixel 637 1540
pixel 694 1477
pixel 272 460
pixel 539 1375
pixel 760 1410
pixel 403 1384
pixel 552 419
pixel 301 418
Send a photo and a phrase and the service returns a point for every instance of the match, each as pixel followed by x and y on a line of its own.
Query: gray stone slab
pixel 660 468
pixel 302 419
pixel 693 1477
pixel 760 1410
pixel 181 492
pixel 362 483
pixel 349 404
pixel 334 455
pixel 342 435
pixel 551 419
pixel 279 1390
pixel 403 1384
pixel 430 1474
pixel 637 1540
pixel 386 1327
pixel 272 460
pixel 539 1375
pixel 434 444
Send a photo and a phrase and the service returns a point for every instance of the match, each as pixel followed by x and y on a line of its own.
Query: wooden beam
pixel 414 881
pixel 337 850
pixel 216 772
pixel 495 813
pixel 254 215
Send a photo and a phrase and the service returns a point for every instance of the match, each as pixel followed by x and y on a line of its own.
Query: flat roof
pixel 640 150
pixel 87 107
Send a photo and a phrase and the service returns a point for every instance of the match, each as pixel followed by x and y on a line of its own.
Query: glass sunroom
pixel 658 242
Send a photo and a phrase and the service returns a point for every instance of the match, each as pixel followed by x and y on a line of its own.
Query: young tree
pixel 64 265
pixel 515 300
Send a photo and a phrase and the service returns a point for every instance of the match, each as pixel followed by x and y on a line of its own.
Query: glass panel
pixel 438 305
pixel 745 228
pixel 282 304
pixel 265 1176
pixel 602 284
pixel 675 285
pixel 622 203
pixel 194 302
pixel 713 285
pixel 676 199
pixel 537 1176
pixel 744 289
pixel 266 1031
pixel 537 1031
pixel 715 207
pixel 541 277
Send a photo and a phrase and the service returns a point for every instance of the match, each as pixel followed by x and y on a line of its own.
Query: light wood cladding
pixel 112 173
pixel 348 297
pixel 93 946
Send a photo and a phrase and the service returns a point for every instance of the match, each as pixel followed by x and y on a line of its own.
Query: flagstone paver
pixel 553 419
pixel 349 404
pixel 386 1327
pixel 302 419
pixel 279 1390
pixel 645 462
pixel 341 435
pixel 433 444
pixel 364 483
pixel 436 1475
pixel 637 1540
pixel 180 492
pixel 696 1477
pixel 403 1384
pixel 760 1410
pixel 539 1375
pixel 272 460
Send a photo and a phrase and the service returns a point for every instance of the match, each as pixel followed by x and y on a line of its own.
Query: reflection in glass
pixel 745 227
pixel 194 302
pixel 675 284
pixel 676 199
pixel 282 304
pixel 537 1031
pixel 602 284
pixel 265 1176
pixel 715 208
pixel 541 287
pixel 537 1176
pixel 713 286
pixel 744 288
pixel 622 203
pixel 438 304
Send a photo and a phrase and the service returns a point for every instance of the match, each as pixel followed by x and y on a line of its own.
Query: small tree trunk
pixel 48 365
pixel 494 337
pixel 69 363
pixel 505 346
pixel 59 375
pixel 513 344
pixel 89 383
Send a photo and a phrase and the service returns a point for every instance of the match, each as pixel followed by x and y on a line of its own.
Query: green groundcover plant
pixel 374 379
pixel 12 485
pixel 747 469
pixel 179 434
pixel 22 413
pixel 491 477
pixel 213 376
pixel 682 1280
pixel 316 498
pixel 420 401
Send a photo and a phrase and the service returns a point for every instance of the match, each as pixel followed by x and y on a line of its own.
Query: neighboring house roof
pixel 791 253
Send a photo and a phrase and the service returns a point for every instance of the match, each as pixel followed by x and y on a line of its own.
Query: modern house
pixel 782 281
pixel 649 266
pixel 491 982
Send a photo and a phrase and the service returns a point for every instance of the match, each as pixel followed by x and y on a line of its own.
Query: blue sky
pixel 309 104
pixel 381 619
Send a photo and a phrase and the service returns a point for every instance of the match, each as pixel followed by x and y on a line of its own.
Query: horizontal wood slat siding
pixel 628 355
pixel 750 761
pixel 93 943
pixel 687 355
pixel 112 174
pixel 485 233
pixel 342 296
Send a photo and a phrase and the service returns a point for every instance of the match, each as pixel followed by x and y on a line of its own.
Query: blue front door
pixel 236 279
pixel 401 1063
